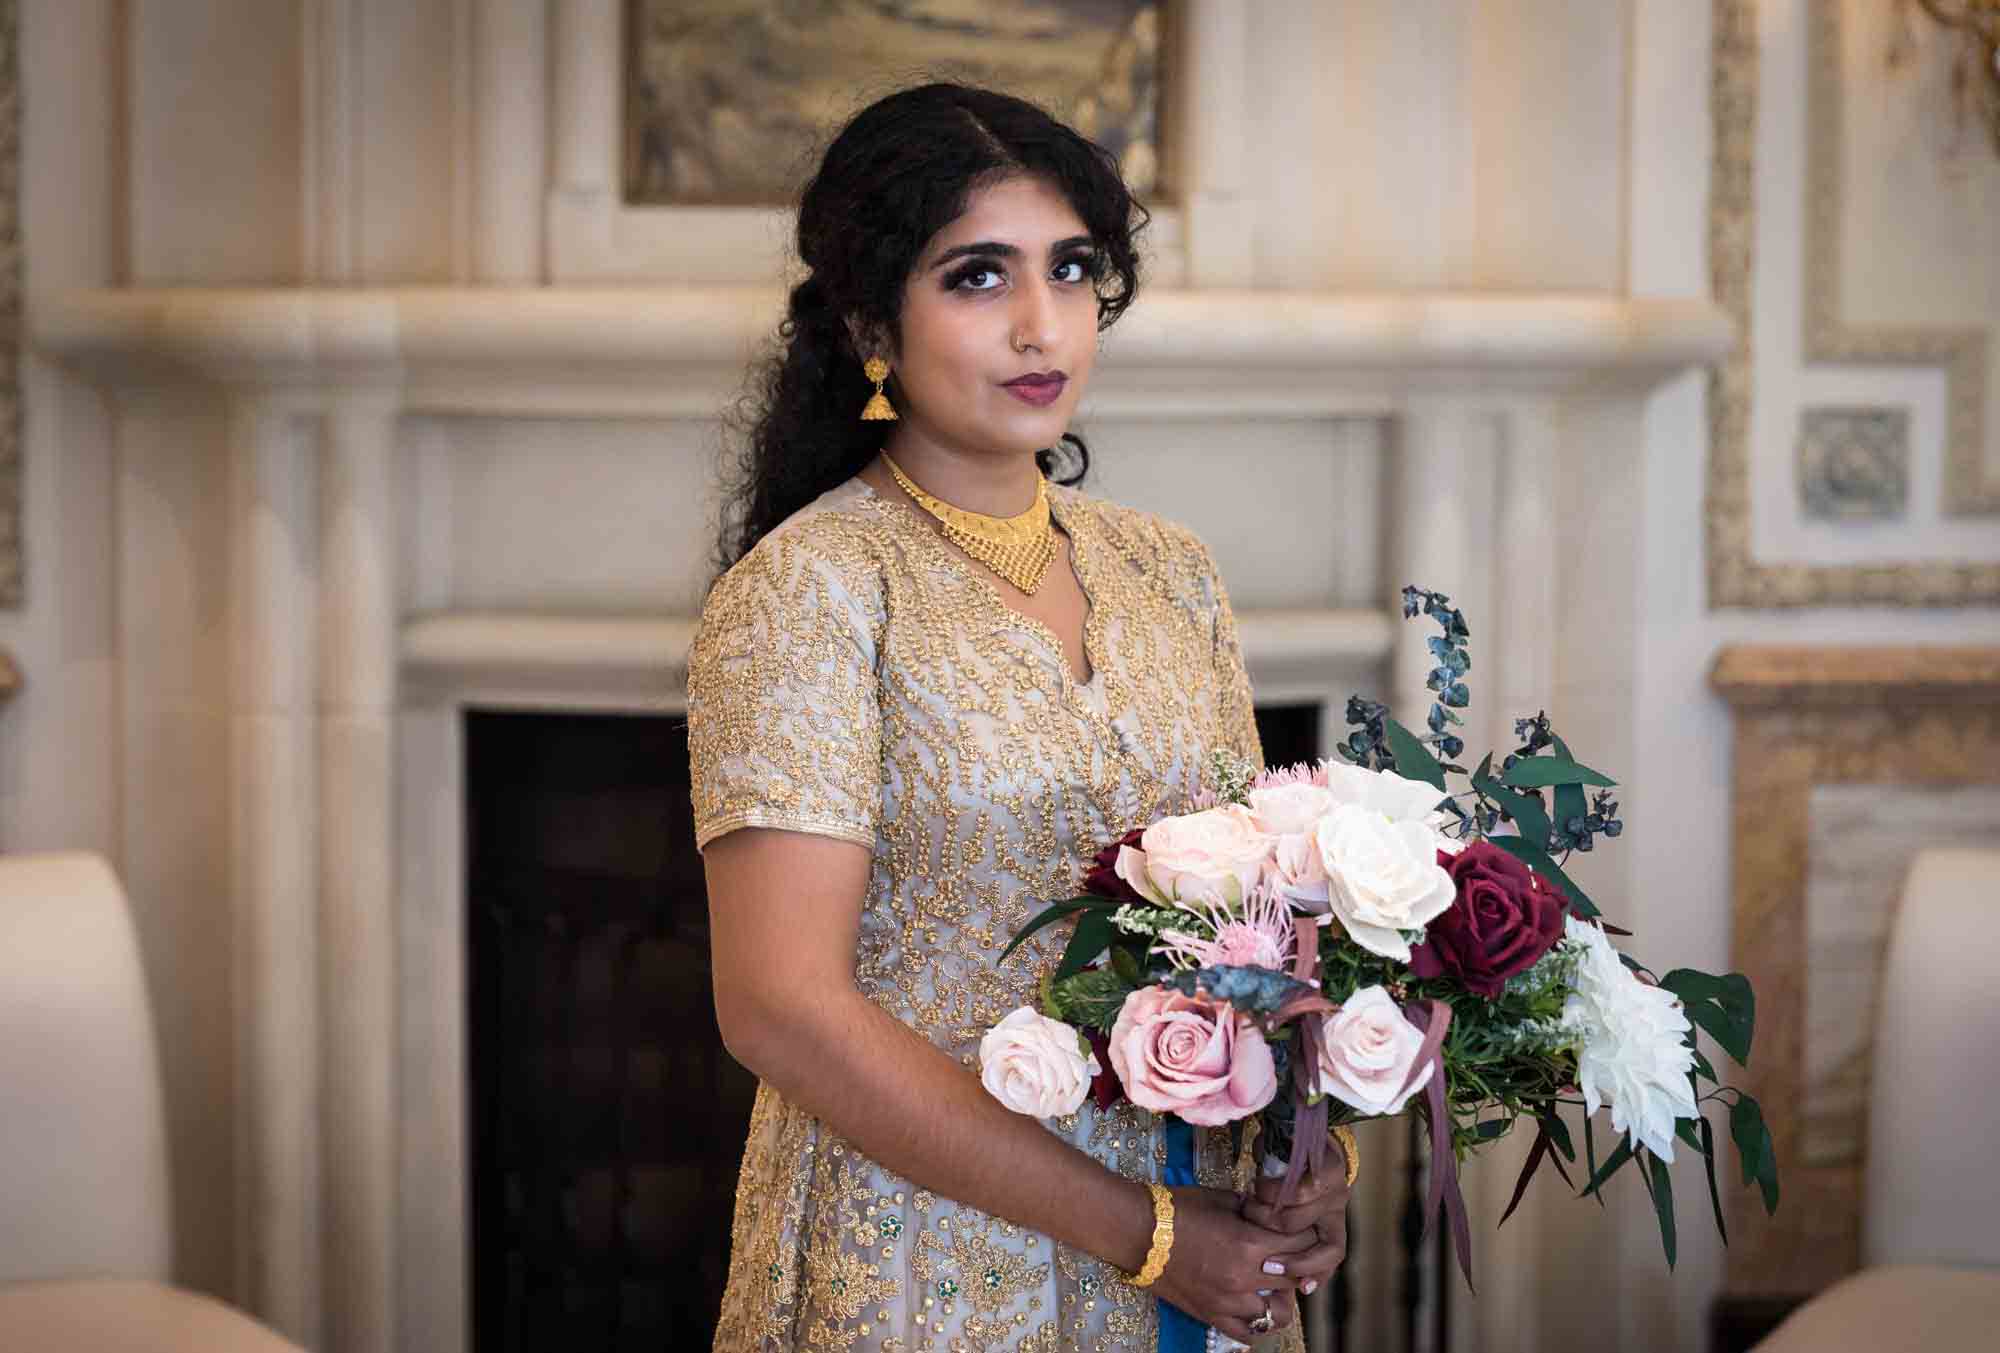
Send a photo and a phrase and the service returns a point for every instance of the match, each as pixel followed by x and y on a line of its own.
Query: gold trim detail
pixel 1735 578
pixel 1961 352
pixel 1018 548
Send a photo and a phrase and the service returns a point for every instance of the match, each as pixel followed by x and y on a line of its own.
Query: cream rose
pixel 1290 810
pixel 1366 1051
pixel 1191 1056
pixel 1211 858
pixel 1036 1065
pixel 1383 877
pixel 1393 796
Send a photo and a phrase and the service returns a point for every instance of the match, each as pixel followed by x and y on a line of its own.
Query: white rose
pixel 1206 859
pixel 1036 1065
pixel 1366 1051
pixel 1382 877
pixel 1392 795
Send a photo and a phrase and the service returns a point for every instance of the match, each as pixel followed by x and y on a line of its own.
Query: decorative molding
pixel 12 566
pixel 1961 352
pixel 640 661
pixel 1735 577
pixel 1854 462
pixel 1805 717
pixel 681 351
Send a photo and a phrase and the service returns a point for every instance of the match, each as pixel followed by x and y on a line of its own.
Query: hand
pixel 1216 1271
pixel 1319 1210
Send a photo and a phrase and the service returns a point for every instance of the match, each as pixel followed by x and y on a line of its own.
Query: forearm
pixel 911 1108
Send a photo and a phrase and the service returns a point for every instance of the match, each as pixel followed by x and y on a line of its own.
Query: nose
pixel 1037 318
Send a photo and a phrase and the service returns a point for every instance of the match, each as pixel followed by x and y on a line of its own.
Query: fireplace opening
pixel 606 1121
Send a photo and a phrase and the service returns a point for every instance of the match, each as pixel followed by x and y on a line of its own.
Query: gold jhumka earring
pixel 878 409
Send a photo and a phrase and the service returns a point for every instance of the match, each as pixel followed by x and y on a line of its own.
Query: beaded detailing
pixel 1019 548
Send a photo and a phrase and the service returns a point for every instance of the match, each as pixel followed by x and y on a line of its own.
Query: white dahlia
pixel 1632 1055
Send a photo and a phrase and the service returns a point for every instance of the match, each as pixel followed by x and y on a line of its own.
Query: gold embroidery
pixel 853 677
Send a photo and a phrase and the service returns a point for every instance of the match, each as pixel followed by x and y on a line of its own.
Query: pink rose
pixel 1191 1056
pixel 1206 859
pixel 1366 1051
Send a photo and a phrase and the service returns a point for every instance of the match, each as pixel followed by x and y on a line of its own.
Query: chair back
pixel 83 1148
pixel 1931 1193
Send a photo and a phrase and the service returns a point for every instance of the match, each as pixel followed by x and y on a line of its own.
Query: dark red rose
pixel 1505 918
pixel 1104 1085
pixel 1103 880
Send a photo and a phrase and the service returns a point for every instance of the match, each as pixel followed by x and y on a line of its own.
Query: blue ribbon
pixel 1179 1331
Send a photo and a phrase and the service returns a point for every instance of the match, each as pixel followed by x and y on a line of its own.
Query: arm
pixel 785 912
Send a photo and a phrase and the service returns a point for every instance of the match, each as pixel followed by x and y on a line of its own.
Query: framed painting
pixel 728 102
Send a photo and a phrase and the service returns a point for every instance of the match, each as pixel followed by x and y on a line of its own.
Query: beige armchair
pixel 1930 1226
pixel 84 1200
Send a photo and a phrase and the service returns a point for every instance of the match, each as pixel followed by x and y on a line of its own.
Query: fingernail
pixel 1309 1286
pixel 1274 1268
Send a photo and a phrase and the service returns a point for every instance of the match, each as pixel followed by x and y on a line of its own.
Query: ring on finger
pixel 1263 1324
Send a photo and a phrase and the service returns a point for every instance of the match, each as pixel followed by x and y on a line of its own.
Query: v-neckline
pixel 1080 568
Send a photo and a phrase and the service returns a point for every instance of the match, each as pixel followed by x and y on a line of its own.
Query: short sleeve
pixel 784 714
pixel 1236 711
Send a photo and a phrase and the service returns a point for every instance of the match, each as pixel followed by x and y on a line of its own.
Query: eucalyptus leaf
pixel 1539 772
pixel 1538 859
pixel 1413 759
pixel 1052 913
pixel 1526 812
pixel 1619 1155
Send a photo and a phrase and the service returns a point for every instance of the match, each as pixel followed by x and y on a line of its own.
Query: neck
pixel 989 483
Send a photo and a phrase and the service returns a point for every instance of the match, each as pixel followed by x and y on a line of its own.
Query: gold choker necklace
pixel 1017 548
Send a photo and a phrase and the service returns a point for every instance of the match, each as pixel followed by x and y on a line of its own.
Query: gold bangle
pixel 1163 1238
pixel 1345 1136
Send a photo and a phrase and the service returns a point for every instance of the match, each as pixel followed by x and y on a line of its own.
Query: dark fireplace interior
pixel 607 1121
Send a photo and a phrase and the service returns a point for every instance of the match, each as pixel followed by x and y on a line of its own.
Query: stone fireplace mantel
pixel 1508 413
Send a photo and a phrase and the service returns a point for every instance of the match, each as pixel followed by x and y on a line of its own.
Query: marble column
pixel 357 870
pixel 273 876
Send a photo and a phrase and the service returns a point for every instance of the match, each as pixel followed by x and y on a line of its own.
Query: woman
pixel 927 689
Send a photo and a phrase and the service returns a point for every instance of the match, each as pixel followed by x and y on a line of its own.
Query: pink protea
pixel 1259 934
pixel 1301 774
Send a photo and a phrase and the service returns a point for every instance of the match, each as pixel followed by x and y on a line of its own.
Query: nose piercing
pixel 1019 346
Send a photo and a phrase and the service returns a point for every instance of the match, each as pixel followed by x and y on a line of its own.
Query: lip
pixel 1040 388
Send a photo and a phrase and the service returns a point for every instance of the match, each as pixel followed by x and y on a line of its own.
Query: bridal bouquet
pixel 1314 945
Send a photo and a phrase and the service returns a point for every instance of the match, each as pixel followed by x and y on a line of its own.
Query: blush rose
pixel 1367 1049
pixel 1036 1065
pixel 1206 859
pixel 1191 1056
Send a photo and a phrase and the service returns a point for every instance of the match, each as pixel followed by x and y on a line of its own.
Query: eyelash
pixel 956 280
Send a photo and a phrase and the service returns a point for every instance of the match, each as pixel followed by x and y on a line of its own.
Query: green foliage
pixel 1089 1000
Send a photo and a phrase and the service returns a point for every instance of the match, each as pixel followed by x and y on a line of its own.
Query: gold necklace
pixel 1017 548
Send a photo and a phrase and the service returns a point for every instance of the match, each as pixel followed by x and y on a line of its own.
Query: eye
pixel 1076 268
pixel 975 276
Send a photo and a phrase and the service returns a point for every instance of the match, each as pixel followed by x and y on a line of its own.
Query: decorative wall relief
pixel 1736 578
pixel 1819 731
pixel 10 305
pixel 1854 464
pixel 726 103
pixel 1917 313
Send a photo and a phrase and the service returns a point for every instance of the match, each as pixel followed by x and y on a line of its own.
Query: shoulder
pixel 831 547
pixel 1169 555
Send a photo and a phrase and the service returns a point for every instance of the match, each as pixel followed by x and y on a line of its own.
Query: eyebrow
pixel 992 248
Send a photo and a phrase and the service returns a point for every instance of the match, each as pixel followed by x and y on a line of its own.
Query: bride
pixel 934 679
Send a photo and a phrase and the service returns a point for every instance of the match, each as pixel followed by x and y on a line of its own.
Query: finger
pixel 1288 1220
pixel 1319 1262
pixel 1311 1186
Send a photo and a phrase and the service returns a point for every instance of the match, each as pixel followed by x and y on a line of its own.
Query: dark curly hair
pixel 901 170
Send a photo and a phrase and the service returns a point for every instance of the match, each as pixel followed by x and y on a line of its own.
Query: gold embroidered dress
pixel 854 676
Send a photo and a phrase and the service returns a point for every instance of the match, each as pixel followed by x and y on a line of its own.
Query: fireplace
pixel 605 1121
